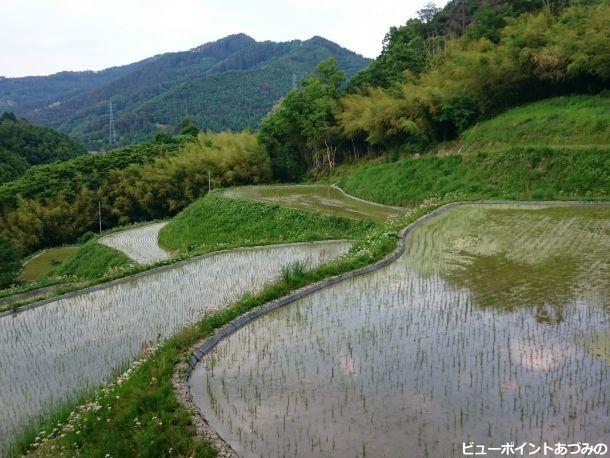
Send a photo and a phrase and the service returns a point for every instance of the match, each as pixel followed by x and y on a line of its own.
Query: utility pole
pixel 111 129
pixel 209 181
pixel 99 214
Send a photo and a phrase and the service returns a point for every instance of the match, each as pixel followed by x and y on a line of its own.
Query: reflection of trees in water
pixel 496 282
pixel 512 257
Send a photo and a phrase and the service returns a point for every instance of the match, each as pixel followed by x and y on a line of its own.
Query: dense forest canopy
pixel 23 145
pixel 436 76
pixel 297 134
pixel 55 203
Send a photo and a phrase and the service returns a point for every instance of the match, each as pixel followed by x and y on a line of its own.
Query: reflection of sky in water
pixel 59 350
pixel 405 361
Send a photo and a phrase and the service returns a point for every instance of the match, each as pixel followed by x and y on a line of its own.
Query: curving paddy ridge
pixel 139 243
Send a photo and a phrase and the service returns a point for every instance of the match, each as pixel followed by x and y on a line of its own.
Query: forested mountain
pixel 227 84
pixel 23 145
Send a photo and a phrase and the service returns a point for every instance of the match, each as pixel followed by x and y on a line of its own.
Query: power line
pixel 111 129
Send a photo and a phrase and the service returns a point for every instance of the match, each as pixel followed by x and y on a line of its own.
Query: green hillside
pixel 553 149
pixel 480 100
pixel 227 84
pixel 214 223
pixel 561 122
pixel 514 173
pixel 23 145
pixel 428 87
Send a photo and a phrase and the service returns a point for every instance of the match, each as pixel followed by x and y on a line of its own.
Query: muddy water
pixel 56 351
pixel 492 328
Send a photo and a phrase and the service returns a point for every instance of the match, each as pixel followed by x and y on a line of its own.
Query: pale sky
pixel 40 37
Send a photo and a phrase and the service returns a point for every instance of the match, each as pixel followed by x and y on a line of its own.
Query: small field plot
pixel 492 328
pixel 139 244
pixel 42 263
pixel 325 199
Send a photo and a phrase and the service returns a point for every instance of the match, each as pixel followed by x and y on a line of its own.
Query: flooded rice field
pixel 54 352
pixel 493 327
pixel 139 243
pixel 324 199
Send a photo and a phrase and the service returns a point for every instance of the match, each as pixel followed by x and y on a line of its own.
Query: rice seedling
pixel 434 350
pixel 55 353
pixel 139 244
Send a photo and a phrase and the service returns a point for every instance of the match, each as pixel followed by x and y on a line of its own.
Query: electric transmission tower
pixel 111 130
pixel 294 81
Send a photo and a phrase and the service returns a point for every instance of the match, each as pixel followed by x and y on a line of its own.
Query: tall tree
pixel 298 132
pixel 10 264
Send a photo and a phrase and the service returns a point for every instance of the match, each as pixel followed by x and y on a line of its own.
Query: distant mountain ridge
pixel 230 83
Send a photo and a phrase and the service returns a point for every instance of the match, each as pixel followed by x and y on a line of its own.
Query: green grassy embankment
pixel 556 149
pixel 515 173
pixel 570 121
pixel 93 260
pixel 213 223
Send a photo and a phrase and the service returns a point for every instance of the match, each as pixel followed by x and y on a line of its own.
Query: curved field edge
pixel 315 197
pixel 139 244
pixel 218 222
pixel 42 287
pixel 97 265
pixel 516 173
pixel 140 414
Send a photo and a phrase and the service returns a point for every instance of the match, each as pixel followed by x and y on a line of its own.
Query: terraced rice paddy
pixel 493 327
pixel 324 199
pixel 139 244
pixel 41 263
pixel 56 351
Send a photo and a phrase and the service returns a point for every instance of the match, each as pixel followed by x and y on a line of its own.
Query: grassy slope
pixel 554 149
pixel 516 173
pixel 92 261
pixel 581 120
pixel 213 223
